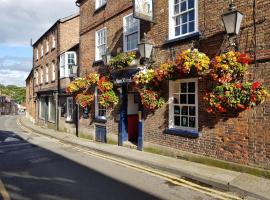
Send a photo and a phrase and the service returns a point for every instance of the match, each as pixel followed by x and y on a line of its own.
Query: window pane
pixel 183 87
pixel 190 4
pixel 176 9
pixel 177 20
pixel 192 122
pixel 183 98
pixel 177 30
pixel 176 120
pixel 191 16
pixel 192 111
pixel 184 110
pixel 184 121
pixel 191 27
pixel 191 87
pixel 183 6
pixel 177 110
pixel 184 18
pixel 184 28
pixel 191 99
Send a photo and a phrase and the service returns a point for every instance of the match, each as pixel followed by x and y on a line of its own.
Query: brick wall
pixel 243 138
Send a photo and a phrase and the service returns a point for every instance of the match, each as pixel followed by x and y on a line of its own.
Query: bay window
pixel 183 110
pixel 67 61
pixel 131 27
pixel 183 18
pixel 101 43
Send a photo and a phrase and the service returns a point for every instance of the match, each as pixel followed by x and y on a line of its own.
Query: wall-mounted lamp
pixel 145 49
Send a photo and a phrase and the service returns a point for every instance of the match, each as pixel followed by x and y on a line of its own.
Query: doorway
pixel 132 116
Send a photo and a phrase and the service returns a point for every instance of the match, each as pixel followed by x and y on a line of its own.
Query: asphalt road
pixel 47 170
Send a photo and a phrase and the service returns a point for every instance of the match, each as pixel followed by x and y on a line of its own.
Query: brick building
pixel 7 106
pixel 55 54
pixel 107 26
pixel 29 98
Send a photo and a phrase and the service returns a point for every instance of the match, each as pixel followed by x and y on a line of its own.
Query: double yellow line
pixel 169 178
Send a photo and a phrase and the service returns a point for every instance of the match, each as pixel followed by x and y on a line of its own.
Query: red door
pixel 133 121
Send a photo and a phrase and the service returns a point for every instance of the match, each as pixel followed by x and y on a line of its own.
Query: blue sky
pixel 20 21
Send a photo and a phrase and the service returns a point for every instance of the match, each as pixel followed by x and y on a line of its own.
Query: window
pixel 47 74
pixel 182 18
pixel 53 71
pixel 51 109
pixel 184 104
pixel 36 54
pixel 47 46
pixel 131 33
pixel 42 51
pixel 42 109
pixel 53 41
pixel 41 76
pixel 69 109
pixel 67 61
pixel 36 76
pixel 100 3
pixel 101 43
pixel 100 111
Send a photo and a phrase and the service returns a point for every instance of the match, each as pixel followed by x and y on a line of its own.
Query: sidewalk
pixel 220 178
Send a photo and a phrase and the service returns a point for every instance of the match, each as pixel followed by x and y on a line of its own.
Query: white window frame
pixel 47 74
pixel 172 21
pixel 70 109
pixel 100 3
pixel 127 34
pixel 42 50
pixel 97 45
pixel 47 46
pixel 41 76
pixel 53 71
pixel 53 41
pixel 36 76
pixel 65 67
pixel 98 108
pixel 51 101
pixel 171 104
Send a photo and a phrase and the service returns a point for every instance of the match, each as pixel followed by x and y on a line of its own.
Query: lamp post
pixel 232 19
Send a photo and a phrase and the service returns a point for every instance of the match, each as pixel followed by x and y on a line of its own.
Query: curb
pixel 204 180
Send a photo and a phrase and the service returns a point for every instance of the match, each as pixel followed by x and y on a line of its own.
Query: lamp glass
pixel 141 47
pixel 232 22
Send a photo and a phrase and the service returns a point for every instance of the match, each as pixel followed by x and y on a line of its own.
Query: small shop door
pixel 133 119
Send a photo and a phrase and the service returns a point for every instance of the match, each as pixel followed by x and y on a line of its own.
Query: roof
pixel 62 20
pixel 29 75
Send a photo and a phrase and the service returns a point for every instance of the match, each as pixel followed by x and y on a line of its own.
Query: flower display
pixel 193 63
pixel 236 97
pixel 144 78
pixel 151 100
pixel 84 100
pixel 77 85
pixel 104 84
pixel 92 78
pixel 229 67
pixel 122 60
pixel 108 98
pixel 167 71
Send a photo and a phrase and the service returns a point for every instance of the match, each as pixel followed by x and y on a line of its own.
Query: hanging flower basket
pixel 192 63
pixel 108 98
pixel 229 67
pixel 236 97
pixel 123 61
pixel 84 100
pixel 151 100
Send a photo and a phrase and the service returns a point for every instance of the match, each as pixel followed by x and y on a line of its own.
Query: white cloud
pixel 12 77
pixel 22 20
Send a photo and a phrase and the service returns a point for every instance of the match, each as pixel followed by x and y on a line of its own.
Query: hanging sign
pixel 143 9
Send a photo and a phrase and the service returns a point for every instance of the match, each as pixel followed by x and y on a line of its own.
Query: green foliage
pixel 14 92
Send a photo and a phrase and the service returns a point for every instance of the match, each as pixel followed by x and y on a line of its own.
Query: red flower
pixel 244 58
pixel 238 85
pixel 253 98
pixel 241 106
pixel 256 85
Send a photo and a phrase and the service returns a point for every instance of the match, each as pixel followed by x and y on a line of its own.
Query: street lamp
pixel 232 20
pixel 145 49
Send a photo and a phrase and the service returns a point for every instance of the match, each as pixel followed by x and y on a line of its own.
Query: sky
pixel 21 20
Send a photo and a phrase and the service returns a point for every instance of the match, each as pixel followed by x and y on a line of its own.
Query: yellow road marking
pixel 172 179
pixel 3 191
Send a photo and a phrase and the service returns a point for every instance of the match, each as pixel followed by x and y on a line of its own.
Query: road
pixel 40 168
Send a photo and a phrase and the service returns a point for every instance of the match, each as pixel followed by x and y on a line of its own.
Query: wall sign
pixel 143 9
